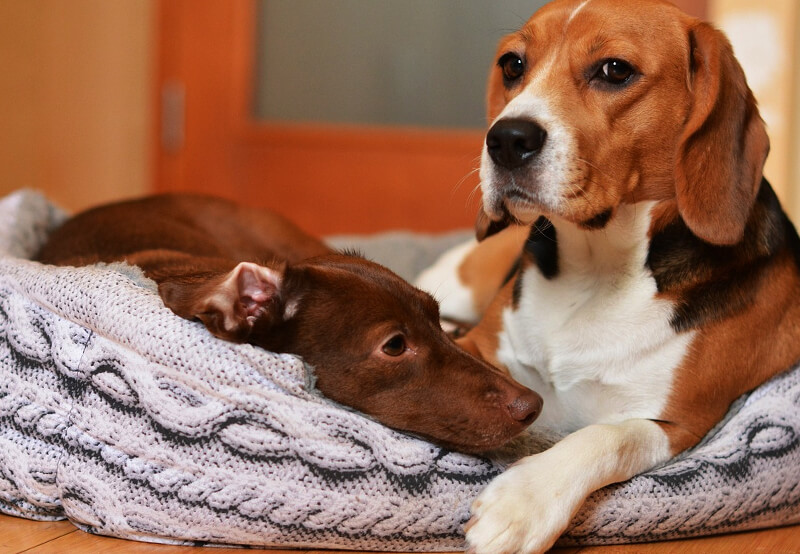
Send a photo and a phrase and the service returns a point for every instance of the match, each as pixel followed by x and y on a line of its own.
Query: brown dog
pixel 656 277
pixel 373 340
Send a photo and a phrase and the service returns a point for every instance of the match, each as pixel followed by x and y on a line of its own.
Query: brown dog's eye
pixel 615 72
pixel 512 65
pixel 395 346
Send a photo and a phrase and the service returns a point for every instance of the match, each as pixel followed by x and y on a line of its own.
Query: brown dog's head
pixel 601 102
pixel 374 342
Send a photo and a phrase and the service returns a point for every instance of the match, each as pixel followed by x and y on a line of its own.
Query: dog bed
pixel 131 422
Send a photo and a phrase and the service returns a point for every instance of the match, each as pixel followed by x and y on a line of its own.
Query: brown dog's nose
pixel 526 407
pixel 512 143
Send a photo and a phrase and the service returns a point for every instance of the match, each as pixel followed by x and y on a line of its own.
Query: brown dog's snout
pixel 526 407
pixel 512 143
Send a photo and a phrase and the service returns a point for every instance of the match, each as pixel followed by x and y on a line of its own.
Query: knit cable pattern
pixel 132 422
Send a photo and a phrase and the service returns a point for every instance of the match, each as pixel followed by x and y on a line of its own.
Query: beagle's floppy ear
pixel 724 144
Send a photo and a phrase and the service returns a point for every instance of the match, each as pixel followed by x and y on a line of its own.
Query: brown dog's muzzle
pixel 525 408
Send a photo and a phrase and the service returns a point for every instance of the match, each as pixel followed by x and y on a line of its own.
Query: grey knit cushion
pixel 132 422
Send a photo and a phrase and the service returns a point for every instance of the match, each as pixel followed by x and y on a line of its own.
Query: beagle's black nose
pixel 512 143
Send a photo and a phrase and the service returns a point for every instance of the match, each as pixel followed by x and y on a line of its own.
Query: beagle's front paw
pixel 523 511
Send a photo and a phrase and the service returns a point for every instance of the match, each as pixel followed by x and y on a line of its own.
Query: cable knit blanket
pixel 132 422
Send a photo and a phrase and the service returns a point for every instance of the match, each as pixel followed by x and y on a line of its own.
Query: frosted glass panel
pixel 384 62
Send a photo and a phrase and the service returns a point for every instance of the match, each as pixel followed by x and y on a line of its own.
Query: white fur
pixel 291 309
pixel 441 280
pixel 525 509
pixel 594 341
pixel 576 11
pixel 550 172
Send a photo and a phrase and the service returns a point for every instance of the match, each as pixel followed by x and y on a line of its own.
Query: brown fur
pixel 340 313
pixel 666 136
pixel 597 106
pixel 688 135
pixel 483 341
pixel 734 355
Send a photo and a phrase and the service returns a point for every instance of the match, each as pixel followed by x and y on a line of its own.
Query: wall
pixel 794 158
pixel 76 81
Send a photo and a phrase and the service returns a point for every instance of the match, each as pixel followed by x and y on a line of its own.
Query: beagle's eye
pixel 615 72
pixel 512 65
pixel 395 346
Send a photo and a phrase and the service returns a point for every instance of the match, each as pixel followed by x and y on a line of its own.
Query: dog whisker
pixel 464 179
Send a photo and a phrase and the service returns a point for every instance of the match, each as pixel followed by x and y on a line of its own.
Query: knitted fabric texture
pixel 132 422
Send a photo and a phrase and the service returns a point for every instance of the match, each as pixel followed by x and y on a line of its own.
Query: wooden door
pixel 328 178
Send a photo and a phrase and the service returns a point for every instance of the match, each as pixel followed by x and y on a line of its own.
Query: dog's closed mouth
pixel 519 205
pixel 517 195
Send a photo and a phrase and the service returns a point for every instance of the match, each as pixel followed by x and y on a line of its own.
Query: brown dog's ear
pixel 724 145
pixel 485 227
pixel 229 304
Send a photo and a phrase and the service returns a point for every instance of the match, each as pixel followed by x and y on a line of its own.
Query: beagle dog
pixel 647 276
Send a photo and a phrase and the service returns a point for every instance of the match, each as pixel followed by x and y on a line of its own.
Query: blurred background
pixel 348 116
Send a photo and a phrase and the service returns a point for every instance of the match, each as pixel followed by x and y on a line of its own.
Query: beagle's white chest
pixel 593 338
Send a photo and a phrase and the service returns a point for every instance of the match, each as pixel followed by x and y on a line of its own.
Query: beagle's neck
pixel 619 247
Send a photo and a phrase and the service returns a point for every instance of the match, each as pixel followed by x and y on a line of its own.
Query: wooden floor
pixel 20 535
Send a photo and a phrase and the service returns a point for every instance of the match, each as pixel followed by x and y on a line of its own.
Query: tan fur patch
pixel 486 267
pixel 484 339
pixel 734 356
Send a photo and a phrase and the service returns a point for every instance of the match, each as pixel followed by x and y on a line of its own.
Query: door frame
pixel 329 178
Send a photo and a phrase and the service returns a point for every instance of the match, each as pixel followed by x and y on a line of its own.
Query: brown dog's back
pixel 195 225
